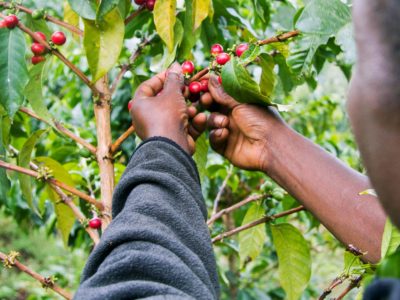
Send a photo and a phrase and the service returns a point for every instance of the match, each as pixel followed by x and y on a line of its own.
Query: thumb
pixel 219 95
pixel 174 80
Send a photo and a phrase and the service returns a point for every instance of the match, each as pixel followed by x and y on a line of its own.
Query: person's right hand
pixel 243 133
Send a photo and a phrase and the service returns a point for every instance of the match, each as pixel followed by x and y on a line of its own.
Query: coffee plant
pixel 68 70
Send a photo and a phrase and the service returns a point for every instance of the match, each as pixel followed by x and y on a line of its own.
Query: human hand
pixel 243 133
pixel 159 109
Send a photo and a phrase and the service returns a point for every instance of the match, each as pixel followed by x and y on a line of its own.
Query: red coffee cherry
pixel 222 58
pixel 95 223
pixel 38 49
pixel 3 24
pixel 37 59
pixel 150 4
pixel 140 2
pixel 11 21
pixel 204 85
pixel 58 38
pixel 220 79
pixel 41 35
pixel 188 67
pixel 216 49
pixel 130 103
pixel 195 87
pixel 241 49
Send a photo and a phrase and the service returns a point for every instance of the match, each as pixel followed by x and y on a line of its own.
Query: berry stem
pixel 45 281
pixel 47 18
pixel 133 15
pixel 62 129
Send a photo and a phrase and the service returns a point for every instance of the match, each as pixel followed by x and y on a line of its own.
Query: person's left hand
pixel 159 109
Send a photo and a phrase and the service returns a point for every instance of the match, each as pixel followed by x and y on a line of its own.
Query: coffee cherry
pixel 216 49
pixel 11 21
pixel 222 58
pixel 41 35
pixel 58 38
pixel 37 59
pixel 140 2
pixel 195 87
pixel 220 79
pixel 130 103
pixel 241 49
pixel 188 67
pixel 204 85
pixel 95 223
pixel 38 49
pixel 150 4
pixel 3 24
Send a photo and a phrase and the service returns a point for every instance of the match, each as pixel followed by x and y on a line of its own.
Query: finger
pixel 151 87
pixel 199 124
pixel 174 79
pixel 217 121
pixel 206 100
pixel 219 95
pixel 218 139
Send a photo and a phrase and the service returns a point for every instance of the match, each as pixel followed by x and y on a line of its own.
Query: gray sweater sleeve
pixel 158 244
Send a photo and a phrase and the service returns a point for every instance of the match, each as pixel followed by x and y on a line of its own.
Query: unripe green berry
pixel 38 14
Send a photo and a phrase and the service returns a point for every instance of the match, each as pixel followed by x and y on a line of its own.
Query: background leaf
pixel 267 81
pixel 251 241
pixel 294 259
pixel 103 43
pixel 201 9
pixel 164 19
pixel 200 156
pixel 105 7
pixel 13 70
pixel 390 239
pixel 84 8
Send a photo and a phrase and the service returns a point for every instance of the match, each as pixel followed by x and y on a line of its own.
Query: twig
pixel 127 67
pixel 57 53
pixel 234 207
pixel 337 281
pixel 257 222
pixel 133 15
pixel 353 284
pixel 62 129
pixel 279 38
pixel 199 74
pixel 46 17
pixel 102 111
pixel 11 261
pixel 60 184
pixel 221 190
pixel 115 146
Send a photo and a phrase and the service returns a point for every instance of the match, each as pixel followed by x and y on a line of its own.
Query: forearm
pixel 328 189
pixel 158 243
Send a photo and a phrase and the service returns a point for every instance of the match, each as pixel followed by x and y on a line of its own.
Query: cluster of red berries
pixel 95 223
pixel 39 50
pixel 149 4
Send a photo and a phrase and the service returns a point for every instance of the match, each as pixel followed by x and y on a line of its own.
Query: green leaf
pixel 390 239
pixel 105 7
pixel 84 8
pixel 164 19
pixel 345 39
pixel 369 192
pixel 200 156
pixel 201 9
pixel 70 16
pixel 250 54
pixel 389 267
pixel 238 83
pixel 65 216
pixel 4 182
pixel 103 43
pixel 317 22
pixel 24 159
pixel 185 50
pixel 251 241
pixel 294 259
pixel 33 92
pixel 178 36
pixel 13 70
pixel 267 81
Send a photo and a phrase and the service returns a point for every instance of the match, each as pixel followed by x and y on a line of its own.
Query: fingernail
pixel 218 132
pixel 219 120
pixel 176 68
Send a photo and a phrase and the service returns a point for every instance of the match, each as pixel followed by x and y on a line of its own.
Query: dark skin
pixel 256 138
